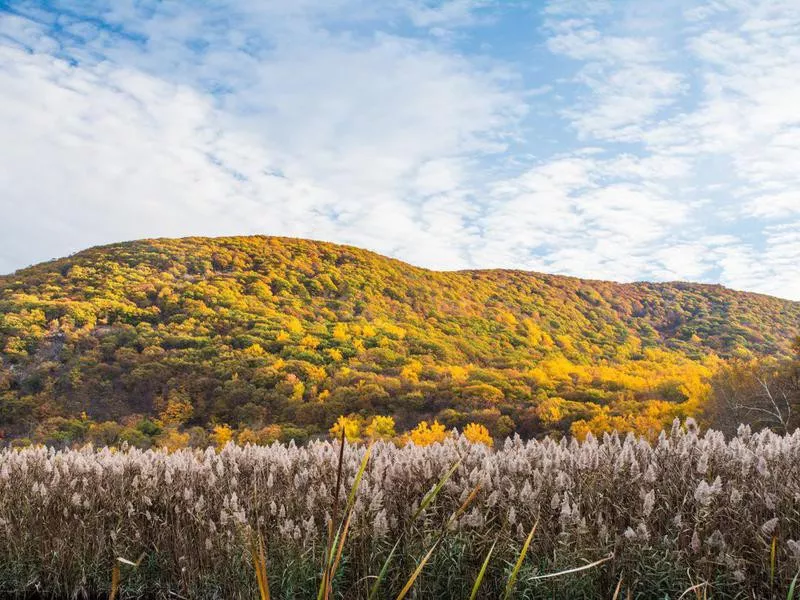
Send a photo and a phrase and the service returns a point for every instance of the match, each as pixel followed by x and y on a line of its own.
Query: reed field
pixel 689 514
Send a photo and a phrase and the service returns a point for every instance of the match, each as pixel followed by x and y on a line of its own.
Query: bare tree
pixel 761 393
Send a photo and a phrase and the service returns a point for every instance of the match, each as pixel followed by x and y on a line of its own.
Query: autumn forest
pixel 255 339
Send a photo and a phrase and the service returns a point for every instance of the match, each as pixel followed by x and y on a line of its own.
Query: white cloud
pixel 625 75
pixel 717 94
pixel 452 13
pixel 771 269
pixel 335 138
pixel 583 215
pixel 621 139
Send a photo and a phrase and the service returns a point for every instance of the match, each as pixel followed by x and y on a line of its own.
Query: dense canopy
pixel 278 338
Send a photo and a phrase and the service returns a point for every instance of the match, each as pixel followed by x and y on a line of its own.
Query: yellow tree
pixel 269 434
pixel 340 332
pixel 381 428
pixel 550 411
pixel 178 410
pixel 221 435
pixel 173 440
pixel 351 425
pixel 478 434
pixel 247 436
pixel 424 435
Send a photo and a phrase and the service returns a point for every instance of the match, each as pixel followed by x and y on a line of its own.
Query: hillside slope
pixel 254 331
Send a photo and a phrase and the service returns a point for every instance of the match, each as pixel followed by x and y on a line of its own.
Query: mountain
pixel 264 331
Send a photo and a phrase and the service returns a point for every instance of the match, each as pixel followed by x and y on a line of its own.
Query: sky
pixel 610 139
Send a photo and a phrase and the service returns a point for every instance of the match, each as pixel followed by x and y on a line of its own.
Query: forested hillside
pixel 277 337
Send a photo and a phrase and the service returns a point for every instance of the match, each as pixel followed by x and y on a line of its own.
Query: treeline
pixel 276 339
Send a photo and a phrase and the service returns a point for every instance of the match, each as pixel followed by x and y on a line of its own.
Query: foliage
pixel 425 435
pixel 381 427
pixel 178 409
pixel 350 426
pixel 478 434
pixel 258 332
pixel 172 440
pixel 221 435
pixel 686 509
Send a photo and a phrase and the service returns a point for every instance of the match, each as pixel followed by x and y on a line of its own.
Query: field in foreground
pixel 692 509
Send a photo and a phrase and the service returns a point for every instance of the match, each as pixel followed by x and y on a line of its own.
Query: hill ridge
pixel 232 238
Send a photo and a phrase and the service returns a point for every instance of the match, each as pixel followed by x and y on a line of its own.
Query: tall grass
pixel 691 511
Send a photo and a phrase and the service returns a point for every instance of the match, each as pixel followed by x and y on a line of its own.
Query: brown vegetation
pixel 688 510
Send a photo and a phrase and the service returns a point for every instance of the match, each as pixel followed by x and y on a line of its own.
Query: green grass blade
pixel 352 496
pixel 792 587
pixel 324 586
pixel 335 548
pixel 512 580
pixel 416 572
pixel 425 502
pixel 343 539
pixel 430 496
pixel 383 572
pixel 482 573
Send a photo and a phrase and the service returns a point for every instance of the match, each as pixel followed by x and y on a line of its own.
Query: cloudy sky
pixel 613 139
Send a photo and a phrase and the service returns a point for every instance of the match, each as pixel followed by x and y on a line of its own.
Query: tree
pixel 134 437
pixel 760 393
pixel 350 425
pixel 481 395
pixel 261 437
pixel 257 331
pixel 381 428
pixel 425 435
pixel 103 434
pixel 478 434
pixel 173 440
pixel 221 435
pixel 179 409
pixel 550 411
pixel 269 434
pixel 247 436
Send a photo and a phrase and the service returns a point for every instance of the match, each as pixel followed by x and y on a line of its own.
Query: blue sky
pixel 612 139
